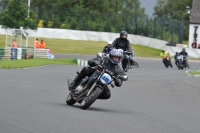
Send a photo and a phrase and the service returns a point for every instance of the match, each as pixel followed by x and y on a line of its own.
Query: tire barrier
pixel 81 62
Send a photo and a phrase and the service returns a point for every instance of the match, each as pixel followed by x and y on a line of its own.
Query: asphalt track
pixel 153 100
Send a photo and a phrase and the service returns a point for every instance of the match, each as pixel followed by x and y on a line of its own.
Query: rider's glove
pixel 100 67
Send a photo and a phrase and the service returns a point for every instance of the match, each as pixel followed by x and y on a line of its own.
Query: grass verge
pixel 64 46
pixel 11 64
pixel 195 73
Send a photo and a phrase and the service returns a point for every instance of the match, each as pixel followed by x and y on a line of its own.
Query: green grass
pixel 10 64
pixel 195 72
pixel 64 46
pixel 142 51
pixel 2 41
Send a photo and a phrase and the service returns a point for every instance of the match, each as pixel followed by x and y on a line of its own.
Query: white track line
pixel 187 72
pixel 36 67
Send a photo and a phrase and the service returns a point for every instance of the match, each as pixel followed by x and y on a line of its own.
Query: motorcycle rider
pixel 175 57
pixel 164 54
pixel 111 63
pixel 123 43
pixel 184 53
pixel 108 48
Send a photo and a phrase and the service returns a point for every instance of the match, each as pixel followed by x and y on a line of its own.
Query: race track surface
pixel 154 100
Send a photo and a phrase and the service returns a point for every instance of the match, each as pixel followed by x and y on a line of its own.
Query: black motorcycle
pixel 167 62
pixel 182 62
pixel 130 64
pixel 90 88
pixel 134 64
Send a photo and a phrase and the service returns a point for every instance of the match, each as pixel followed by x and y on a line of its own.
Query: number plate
pixel 105 78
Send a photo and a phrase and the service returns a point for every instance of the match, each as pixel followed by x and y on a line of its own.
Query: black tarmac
pixel 155 99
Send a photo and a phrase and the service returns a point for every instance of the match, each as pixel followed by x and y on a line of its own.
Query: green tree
pixel 16 15
pixel 41 7
pixel 175 9
pixel 3 4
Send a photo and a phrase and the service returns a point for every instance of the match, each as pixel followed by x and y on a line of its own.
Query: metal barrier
pixel 21 53
pixel 41 53
pixel 5 54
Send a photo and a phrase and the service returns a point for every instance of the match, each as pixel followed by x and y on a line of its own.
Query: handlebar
pixel 127 52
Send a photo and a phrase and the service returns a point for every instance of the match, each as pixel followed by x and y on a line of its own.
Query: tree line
pixel 96 15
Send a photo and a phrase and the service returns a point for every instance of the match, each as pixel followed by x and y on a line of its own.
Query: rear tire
pixel 171 65
pixel 135 64
pixel 88 101
pixel 70 100
pixel 182 67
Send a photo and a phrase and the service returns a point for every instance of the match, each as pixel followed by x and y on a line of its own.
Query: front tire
pixel 88 101
pixel 70 100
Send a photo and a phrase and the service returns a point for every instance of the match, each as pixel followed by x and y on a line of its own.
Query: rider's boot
pixel 124 66
pixel 72 86
pixel 74 83
pixel 124 69
pixel 131 63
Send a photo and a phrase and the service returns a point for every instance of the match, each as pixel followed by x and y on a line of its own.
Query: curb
pixel 81 62
pixel 187 72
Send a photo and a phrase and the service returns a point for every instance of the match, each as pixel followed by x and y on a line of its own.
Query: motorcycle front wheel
pixel 89 100
pixel 70 100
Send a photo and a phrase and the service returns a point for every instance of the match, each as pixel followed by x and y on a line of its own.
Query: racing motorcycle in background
pixel 91 87
pixel 182 62
pixel 168 62
pixel 130 65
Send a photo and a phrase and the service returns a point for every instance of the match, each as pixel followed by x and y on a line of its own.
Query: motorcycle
pixel 167 62
pixel 130 65
pixel 90 88
pixel 182 62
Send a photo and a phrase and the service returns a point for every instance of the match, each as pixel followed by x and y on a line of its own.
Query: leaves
pixel 16 14
pixel 173 9
pixel 99 15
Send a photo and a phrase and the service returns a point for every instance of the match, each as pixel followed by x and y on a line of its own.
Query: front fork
pixel 93 79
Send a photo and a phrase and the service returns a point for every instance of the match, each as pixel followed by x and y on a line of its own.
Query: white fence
pixel 105 36
pixel 41 53
pixel 21 53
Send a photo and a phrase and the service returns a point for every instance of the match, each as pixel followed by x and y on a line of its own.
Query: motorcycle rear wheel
pixel 135 64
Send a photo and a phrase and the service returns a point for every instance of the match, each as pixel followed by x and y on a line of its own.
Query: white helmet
pixel 110 44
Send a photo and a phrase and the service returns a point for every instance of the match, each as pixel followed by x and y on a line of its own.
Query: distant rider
pixel 175 57
pixel 108 48
pixel 123 43
pixel 111 63
pixel 164 54
pixel 184 53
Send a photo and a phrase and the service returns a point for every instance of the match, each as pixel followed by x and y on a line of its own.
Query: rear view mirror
pixel 99 55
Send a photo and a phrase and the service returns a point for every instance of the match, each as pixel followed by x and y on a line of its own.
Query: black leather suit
pixel 88 71
pixel 124 44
